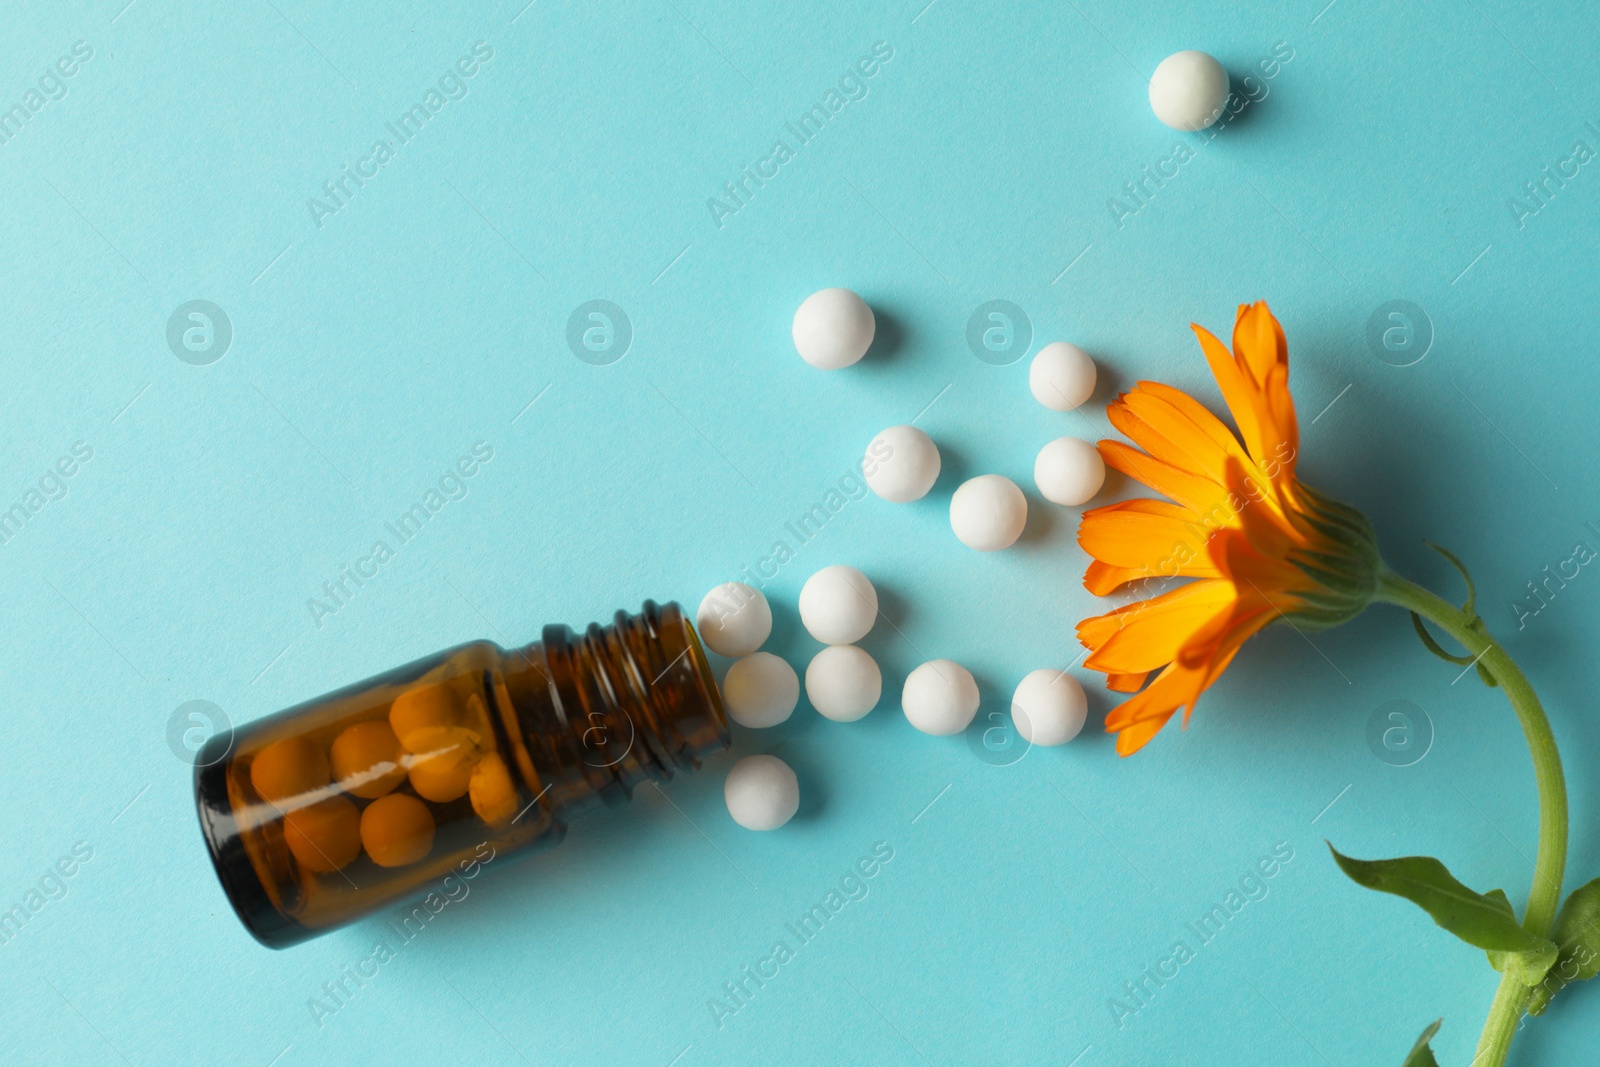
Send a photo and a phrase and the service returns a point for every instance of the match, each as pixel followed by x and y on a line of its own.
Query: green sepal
pixel 1433 646
pixel 1421 1055
pixel 1577 933
pixel 1345 568
pixel 1484 921
pixel 1468 608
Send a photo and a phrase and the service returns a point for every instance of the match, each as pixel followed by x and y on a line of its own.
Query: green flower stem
pixel 1511 998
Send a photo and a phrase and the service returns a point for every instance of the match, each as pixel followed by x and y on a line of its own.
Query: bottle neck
pixel 603 711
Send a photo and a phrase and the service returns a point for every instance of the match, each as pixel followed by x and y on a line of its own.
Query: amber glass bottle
pixel 372 795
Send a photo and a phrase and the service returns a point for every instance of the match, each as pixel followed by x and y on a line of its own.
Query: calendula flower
pixel 1258 544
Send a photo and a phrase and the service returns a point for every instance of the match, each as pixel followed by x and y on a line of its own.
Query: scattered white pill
pixel 734 619
pixel 988 512
pixel 760 690
pixel 1048 708
pixel 901 464
pixel 838 605
pixel 833 329
pixel 1188 90
pixel 762 792
pixel 843 683
pixel 1061 376
pixel 1069 471
pixel 940 697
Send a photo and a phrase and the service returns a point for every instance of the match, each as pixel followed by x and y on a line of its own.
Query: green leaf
pixel 1500 900
pixel 1484 921
pixel 1577 935
pixel 1529 968
pixel 1421 1054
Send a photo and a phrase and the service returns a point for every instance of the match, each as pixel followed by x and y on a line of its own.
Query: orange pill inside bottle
pixel 370 796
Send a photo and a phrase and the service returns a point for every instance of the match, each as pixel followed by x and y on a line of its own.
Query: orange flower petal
pixel 1244 625
pixel 1133 738
pixel 1238 392
pixel 1158 701
pixel 1181 684
pixel 1195 492
pixel 1199 450
pixel 1148 634
pixel 1102 579
pixel 1152 436
pixel 1280 405
pixel 1258 341
pixel 1267 531
pixel 1126 683
pixel 1153 535
pixel 1196 413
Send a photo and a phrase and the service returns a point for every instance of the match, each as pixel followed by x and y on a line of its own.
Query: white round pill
pixel 734 619
pixel 760 690
pixel 833 329
pixel 1048 708
pixel 901 464
pixel 1061 376
pixel 940 697
pixel 762 793
pixel 838 605
pixel 1069 471
pixel 843 683
pixel 988 512
pixel 1188 90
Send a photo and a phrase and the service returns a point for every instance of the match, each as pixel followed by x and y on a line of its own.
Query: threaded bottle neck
pixel 619 704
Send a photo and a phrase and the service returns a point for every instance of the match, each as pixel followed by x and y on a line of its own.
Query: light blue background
pixel 426 315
